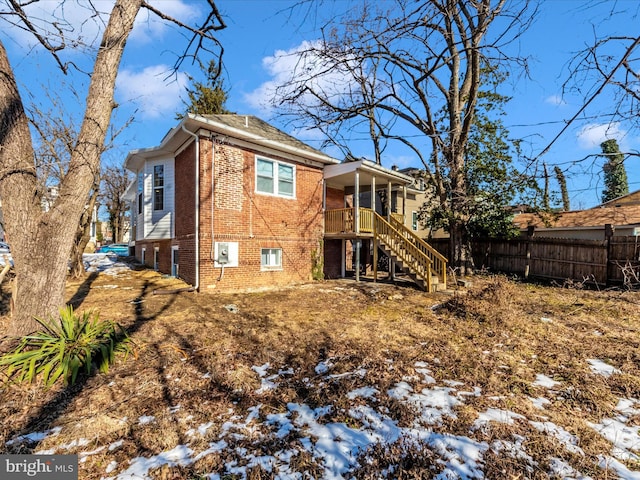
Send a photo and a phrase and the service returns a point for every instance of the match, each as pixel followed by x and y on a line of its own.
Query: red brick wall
pixel 333 248
pixel 164 253
pixel 185 213
pixel 254 221
pixel 257 221
pixel 334 198
pixel 332 258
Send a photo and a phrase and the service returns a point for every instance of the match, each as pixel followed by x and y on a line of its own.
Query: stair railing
pixel 405 250
pixel 438 260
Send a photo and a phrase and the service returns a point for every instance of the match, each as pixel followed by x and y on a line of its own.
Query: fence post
pixel 527 264
pixel 608 233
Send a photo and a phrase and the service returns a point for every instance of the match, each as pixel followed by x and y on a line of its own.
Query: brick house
pixel 229 202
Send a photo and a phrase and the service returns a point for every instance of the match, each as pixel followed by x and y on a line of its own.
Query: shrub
pixel 64 347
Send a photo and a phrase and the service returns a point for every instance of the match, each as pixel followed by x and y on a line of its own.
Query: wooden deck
pixel 341 223
pixel 411 254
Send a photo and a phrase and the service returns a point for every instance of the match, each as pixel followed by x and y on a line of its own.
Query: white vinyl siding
pixel 156 219
pixel 275 178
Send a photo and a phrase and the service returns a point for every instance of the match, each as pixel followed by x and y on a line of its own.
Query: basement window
pixel 271 259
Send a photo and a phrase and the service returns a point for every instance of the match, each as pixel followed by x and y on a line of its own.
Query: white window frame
pixel 175 266
pixel 414 221
pixel 140 194
pixel 269 265
pixel 155 187
pixel 276 180
pixel 142 255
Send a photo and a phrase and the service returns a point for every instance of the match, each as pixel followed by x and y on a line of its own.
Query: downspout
pixel 197 212
pixel 213 196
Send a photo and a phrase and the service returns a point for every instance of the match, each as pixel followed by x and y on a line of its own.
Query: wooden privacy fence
pixel 607 262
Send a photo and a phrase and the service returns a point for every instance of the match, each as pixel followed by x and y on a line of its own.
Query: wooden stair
pixel 405 267
pixel 410 254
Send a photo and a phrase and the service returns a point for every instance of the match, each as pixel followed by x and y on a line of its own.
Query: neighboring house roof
pixel 593 217
pixel 632 198
pixel 246 129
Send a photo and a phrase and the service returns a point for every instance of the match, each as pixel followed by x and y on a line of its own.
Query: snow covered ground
pixel 337 446
pixel 341 447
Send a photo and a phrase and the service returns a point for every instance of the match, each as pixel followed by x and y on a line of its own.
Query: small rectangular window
pixel 275 178
pixel 140 191
pixel 414 220
pixel 175 262
pixel 158 187
pixel 271 258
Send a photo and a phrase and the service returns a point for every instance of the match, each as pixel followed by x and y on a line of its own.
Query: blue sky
pixel 258 30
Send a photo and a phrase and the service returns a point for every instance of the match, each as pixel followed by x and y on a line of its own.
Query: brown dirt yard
pixel 338 379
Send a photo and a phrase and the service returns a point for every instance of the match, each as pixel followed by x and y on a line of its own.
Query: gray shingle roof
pixel 256 126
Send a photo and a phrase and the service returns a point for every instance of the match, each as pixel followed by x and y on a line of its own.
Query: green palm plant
pixel 65 346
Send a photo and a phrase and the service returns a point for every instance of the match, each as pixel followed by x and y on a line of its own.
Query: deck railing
pixel 439 261
pixel 343 221
pixel 406 251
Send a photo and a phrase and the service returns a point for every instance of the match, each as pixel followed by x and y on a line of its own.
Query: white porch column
pixel 373 193
pixel 404 204
pixel 389 201
pixel 356 202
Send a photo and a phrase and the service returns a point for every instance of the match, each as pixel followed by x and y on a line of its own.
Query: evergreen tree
pixel 492 182
pixel 615 175
pixel 562 181
pixel 209 97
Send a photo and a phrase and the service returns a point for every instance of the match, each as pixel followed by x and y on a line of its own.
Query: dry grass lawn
pixel 196 353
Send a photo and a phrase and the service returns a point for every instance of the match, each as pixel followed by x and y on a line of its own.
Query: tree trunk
pixel 459 247
pixel 76 269
pixel 41 242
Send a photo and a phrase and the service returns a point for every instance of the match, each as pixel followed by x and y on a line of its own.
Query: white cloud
pixel 149 27
pixel 81 27
pixel 76 22
pixel 296 65
pixel 592 135
pixel 555 100
pixel 151 90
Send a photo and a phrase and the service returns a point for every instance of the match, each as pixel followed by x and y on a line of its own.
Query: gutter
pixel 241 134
pixel 197 205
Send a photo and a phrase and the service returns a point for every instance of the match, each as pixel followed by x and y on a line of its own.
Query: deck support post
pixel 356 219
pixel 375 251
pixel 391 265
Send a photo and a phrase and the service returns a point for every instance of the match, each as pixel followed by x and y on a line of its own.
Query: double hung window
pixel 158 187
pixel 275 178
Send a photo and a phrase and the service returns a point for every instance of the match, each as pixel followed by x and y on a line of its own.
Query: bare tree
pixel 55 136
pixel 42 241
pixel 409 74
pixel 611 63
pixel 115 181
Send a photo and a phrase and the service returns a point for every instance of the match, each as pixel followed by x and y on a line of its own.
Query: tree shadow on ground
pixel 82 291
pixel 44 418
